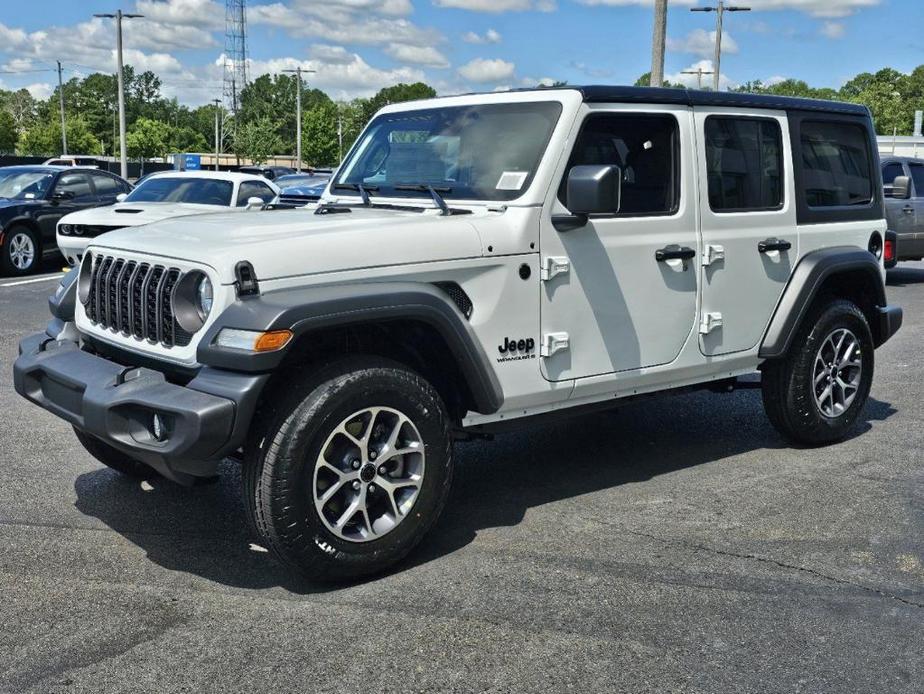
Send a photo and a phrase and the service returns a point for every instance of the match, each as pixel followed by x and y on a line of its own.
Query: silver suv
pixel 903 178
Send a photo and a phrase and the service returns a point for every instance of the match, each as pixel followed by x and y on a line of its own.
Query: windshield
pixel 483 152
pixel 24 185
pixel 296 181
pixel 199 191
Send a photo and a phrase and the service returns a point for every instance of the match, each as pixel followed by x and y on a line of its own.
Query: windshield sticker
pixel 29 196
pixel 512 180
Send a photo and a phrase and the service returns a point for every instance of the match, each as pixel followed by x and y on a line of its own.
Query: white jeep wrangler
pixel 477 261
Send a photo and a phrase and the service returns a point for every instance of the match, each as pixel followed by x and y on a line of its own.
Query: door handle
pixel 907 209
pixel 674 252
pixel 773 244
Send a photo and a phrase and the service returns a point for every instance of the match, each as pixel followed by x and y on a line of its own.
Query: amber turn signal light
pixel 272 340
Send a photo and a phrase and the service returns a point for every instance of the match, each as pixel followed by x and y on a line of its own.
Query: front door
pixel 618 306
pixel 917 201
pixel 750 242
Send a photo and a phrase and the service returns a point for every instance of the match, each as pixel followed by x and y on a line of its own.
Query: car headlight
pixel 204 297
pixel 66 229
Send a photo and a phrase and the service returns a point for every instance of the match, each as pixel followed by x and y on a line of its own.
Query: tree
pixel 319 135
pixel 148 138
pixel 396 94
pixel 273 97
pixel 22 106
pixel 8 134
pixel 45 138
pixel 256 140
pixel 645 81
pixel 185 139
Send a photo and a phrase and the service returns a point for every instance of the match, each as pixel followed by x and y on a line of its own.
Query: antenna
pixel 235 53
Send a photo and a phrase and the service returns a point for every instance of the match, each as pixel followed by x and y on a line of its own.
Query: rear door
pixel 917 201
pixel 899 213
pixel 748 222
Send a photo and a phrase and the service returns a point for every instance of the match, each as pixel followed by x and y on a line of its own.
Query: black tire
pixel 279 463
pixel 6 259
pixel 114 458
pixel 787 383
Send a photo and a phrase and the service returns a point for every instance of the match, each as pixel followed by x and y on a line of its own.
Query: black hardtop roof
pixel 697 97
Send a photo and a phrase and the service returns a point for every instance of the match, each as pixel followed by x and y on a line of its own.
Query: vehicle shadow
pixel 903 276
pixel 202 531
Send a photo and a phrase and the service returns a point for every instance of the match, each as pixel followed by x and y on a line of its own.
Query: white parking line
pixel 33 280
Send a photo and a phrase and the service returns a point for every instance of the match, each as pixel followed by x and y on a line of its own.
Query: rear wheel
pixel 815 394
pixel 20 251
pixel 352 472
pixel 114 458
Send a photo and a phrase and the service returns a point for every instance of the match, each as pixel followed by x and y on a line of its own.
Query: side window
pixel 836 166
pixel 106 186
pixel 917 175
pixel 744 164
pixel 76 183
pixel 254 189
pixel 645 147
pixel 890 172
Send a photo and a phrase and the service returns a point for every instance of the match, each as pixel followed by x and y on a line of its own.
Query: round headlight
pixel 66 229
pixel 204 297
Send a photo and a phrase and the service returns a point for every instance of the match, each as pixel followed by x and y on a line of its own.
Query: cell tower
pixel 235 52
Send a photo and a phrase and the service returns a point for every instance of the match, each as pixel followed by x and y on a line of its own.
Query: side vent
pixel 247 284
pixel 458 296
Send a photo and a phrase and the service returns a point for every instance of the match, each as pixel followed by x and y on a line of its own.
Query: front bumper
pixel 205 420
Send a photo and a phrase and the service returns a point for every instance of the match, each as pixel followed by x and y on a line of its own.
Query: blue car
pixel 297 190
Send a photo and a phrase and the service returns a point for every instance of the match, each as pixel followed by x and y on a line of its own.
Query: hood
pixel 16 202
pixel 291 242
pixel 124 214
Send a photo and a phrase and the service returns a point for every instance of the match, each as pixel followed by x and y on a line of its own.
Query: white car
pixel 162 195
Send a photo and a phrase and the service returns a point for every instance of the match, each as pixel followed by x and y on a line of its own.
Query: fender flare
pixel 804 285
pixel 308 309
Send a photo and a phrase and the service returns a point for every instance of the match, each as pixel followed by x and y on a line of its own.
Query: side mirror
pixel 591 189
pixel 62 195
pixel 121 196
pixel 900 188
pixel 254 202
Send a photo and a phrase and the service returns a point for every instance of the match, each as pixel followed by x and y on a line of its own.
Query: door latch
pixel 554 266
pixel 710 322
pixel 552 343
pixel 712 254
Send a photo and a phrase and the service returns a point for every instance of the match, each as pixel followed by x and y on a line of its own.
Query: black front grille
pixel 135 299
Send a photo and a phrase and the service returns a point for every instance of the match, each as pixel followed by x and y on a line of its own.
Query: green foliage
pixel 645 81
pixel 148 138
pixel 44 138
pixel 8 134
pixel 256 140
pixel 319 135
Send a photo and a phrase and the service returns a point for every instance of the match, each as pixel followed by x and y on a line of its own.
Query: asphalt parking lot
pixel 674 545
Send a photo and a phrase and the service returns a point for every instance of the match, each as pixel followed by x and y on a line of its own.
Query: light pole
pixel 657 44
pixel 720 9
pixel 699 72
pixel 119 16
pixel 63 125
pixel 298 116
pixel 217 103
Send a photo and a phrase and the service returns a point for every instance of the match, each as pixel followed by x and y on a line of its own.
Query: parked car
pixel 297 190
pixel 270 172
pixel 162 195
pixel 85 161
pixel 480 262
pixel 34 198
pixel 903 178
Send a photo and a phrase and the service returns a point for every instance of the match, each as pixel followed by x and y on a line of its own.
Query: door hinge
pixel 552 343
pixel 710 322
pixel 553 266
pixel 712 254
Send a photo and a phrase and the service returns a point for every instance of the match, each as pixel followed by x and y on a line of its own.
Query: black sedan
pixel 34 198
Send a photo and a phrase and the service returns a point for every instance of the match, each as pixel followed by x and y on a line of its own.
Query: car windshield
pixel 199 191
pixel 24 185
pixel 482 152
pixel 297 181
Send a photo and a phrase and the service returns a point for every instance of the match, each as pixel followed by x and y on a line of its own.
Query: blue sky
pixel 359 46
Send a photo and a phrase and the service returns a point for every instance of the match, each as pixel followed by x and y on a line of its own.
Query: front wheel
pixel 19 253
pixel 815 394
pixel 352 473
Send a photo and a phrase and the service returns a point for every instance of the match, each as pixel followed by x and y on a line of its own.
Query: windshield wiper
pixel 360 188
pixel 434 193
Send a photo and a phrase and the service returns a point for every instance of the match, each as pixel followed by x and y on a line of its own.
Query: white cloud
pixel 692 80
pixel 623 3
pixel 40 90
pixel 204 14
pixel 417 55
pixel 833 30
pixel 775 79
pixel 486 70
pixel 816 8
pixel 490 36
pixel 498 6
pixel 702 43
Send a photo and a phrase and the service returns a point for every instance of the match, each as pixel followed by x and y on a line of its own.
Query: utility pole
pixel 699 72
pixel 298 116
pixel 61 96
pixel 339 136
pixel 657 43
pixel 119 16
pixel 720 9
pixel 217 103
